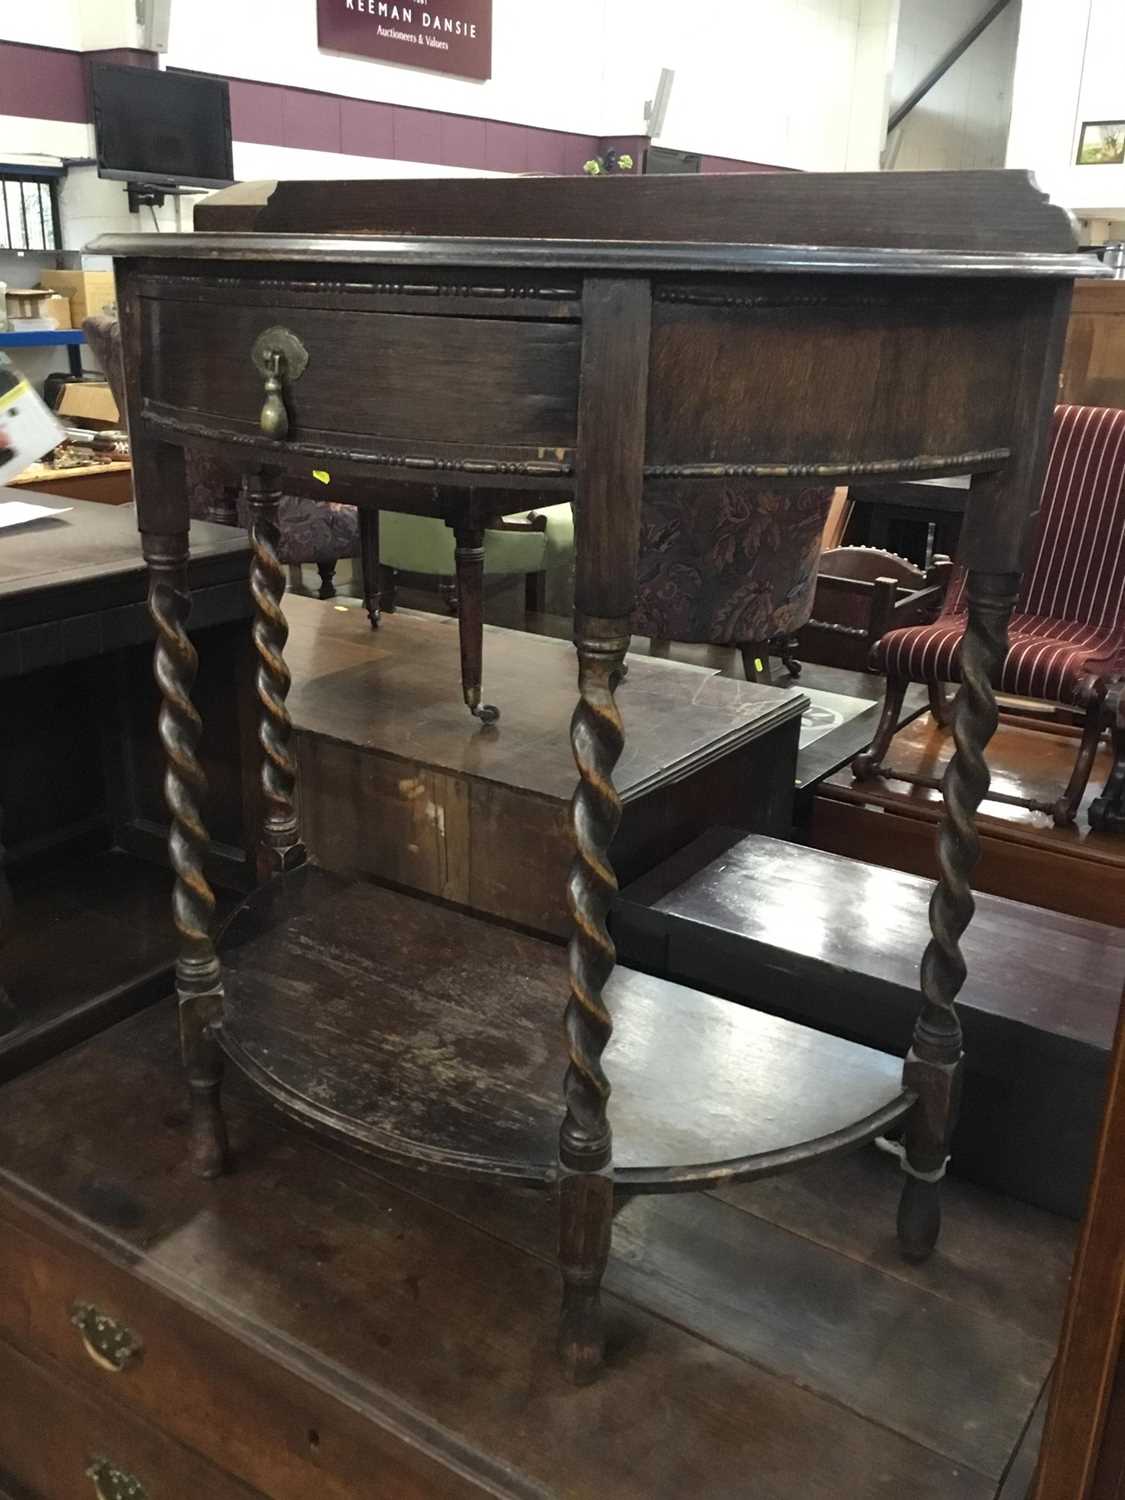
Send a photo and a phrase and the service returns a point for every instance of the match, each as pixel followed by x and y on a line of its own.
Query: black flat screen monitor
pixel 168 129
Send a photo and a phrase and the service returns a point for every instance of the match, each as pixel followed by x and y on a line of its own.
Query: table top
pixel 395 689
pixel 89 541
pixel 89 559
pixel 917 223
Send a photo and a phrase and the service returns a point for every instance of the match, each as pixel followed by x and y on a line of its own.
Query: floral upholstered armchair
pixel 735 566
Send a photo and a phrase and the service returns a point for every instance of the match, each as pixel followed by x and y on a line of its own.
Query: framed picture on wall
pixel 1102 143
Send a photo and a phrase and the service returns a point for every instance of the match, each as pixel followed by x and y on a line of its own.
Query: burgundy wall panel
pixel 48 84
pixel 417 135
pixel 42 83
pixel 546 152
pixel 367 128
pixel 256 113
pixel 462 141
pixel 505 147
pixel 311 121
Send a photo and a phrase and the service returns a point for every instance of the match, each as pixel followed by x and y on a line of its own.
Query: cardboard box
pixel 90 401
pixel 89 291
pixel 57 307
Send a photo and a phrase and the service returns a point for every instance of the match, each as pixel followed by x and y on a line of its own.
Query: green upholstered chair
pixel 531 544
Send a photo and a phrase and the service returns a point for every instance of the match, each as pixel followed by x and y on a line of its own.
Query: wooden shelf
pixel 434 1038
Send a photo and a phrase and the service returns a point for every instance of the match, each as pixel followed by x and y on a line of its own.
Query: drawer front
pixel 837 370
pixel 281 1430
pixel 371 377
pixel 62 1444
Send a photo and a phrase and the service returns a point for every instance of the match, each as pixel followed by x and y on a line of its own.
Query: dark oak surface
pixel 970 211
pixel 833 942
pixel 1075 870
pixel 398 782
pixel 1060 976
pixel 397 1046
pixel 396 691
pixel 333 1302
pixel 94 545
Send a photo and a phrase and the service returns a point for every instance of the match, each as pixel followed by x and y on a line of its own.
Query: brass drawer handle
pixel 278 356
pixel 111 1483
pixel 110 1345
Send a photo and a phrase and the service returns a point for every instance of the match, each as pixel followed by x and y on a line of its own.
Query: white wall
pixel 1070 67
pixel 963 121
pixel 44 23
pixel 548 59
pixel 762 80
pixel 796 83
pixel 72 25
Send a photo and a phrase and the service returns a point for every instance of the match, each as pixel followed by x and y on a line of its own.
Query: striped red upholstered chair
pixel 1067 633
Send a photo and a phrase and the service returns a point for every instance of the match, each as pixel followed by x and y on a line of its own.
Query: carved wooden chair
pixel 861 594
pixel 1067 634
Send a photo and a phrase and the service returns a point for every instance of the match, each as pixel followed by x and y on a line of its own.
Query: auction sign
pixel 446 36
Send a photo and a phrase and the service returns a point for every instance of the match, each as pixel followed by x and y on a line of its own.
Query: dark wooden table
pixel 80 768
pixel 469 338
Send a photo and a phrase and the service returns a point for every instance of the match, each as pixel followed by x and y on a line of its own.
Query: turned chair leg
pixel 785 647
pixel 869 763
pixel 1065 809
pixel 1107 811
pixel 941 704
pixel 371 571
pixel 469 555
pixel 327 571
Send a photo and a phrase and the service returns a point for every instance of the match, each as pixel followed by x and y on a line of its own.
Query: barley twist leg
pixel 280 847
pixel 585 1142
pixel 198 977
pixel 934 1063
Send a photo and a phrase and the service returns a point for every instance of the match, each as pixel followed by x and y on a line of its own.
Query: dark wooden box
pixel 835 943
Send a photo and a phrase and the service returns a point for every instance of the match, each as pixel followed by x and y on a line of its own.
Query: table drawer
pixel 62 1444
pixel 372 378
pixel 287 1430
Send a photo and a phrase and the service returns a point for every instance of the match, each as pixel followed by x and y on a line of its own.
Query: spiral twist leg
pixel 585 1141
pixel 280 848
pixel 198 977
pixel 933 1065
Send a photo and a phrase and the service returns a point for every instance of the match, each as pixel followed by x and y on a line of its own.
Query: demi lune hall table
pixel 440 344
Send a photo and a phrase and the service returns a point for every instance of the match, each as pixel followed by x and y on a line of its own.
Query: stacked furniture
pixel 600 340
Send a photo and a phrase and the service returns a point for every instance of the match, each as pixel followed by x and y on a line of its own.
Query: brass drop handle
pixel 274 420
pixel 280 358
pixel 112 1483
pixel 109 1344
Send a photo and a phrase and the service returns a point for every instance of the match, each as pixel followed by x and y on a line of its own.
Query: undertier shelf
pixel 434 1038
